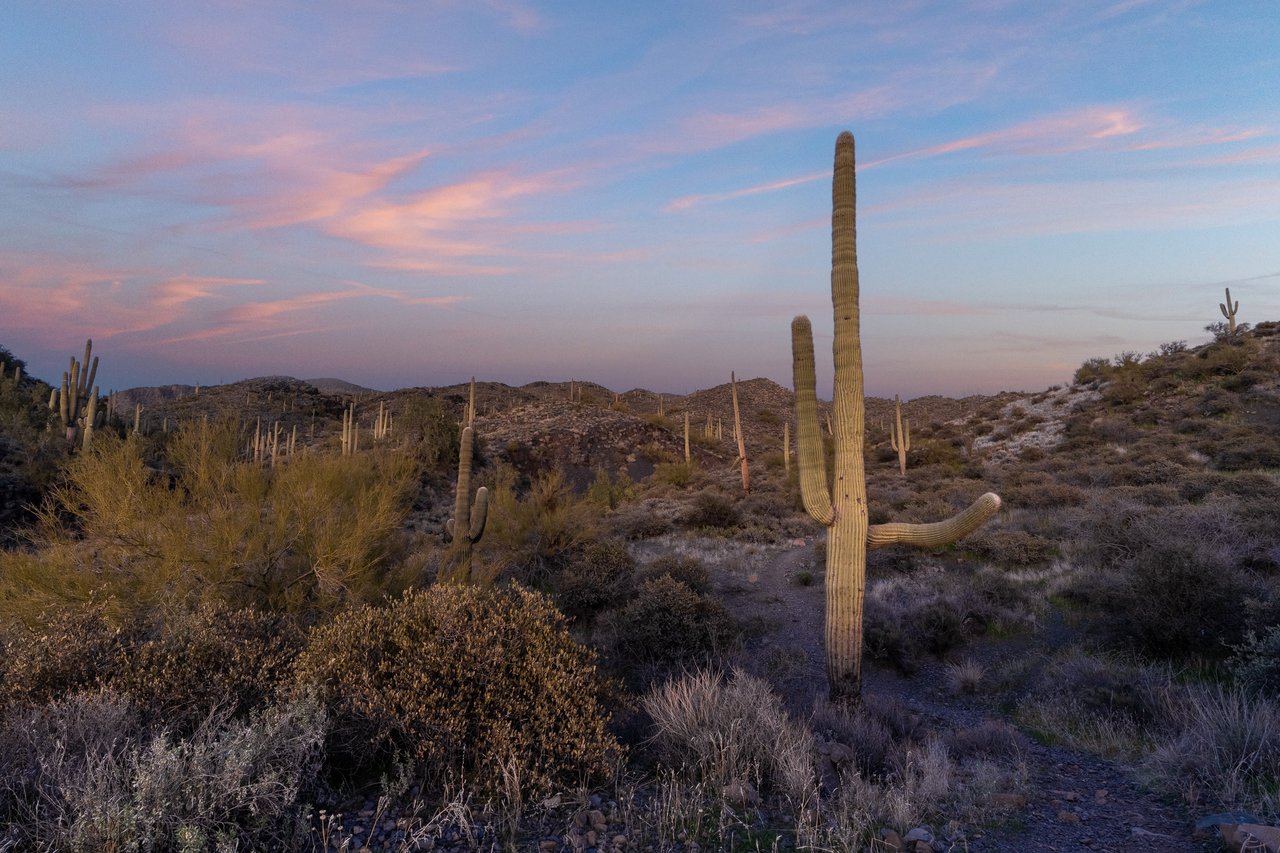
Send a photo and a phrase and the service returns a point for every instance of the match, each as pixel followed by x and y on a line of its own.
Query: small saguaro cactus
pixel 737 431
pixel 461 537
pixel 786 447
pixel 900 435
pixel 688 456
pixel 842 507
pixel 1228 309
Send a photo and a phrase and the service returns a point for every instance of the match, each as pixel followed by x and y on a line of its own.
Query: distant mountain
pixel 329 385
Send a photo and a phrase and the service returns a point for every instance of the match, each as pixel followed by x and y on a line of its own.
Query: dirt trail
pixel 1075 801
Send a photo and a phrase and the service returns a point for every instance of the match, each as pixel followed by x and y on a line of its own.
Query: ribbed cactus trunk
pixel 468 522
pixel 1229 309
pixel 842 507
pixel 737 433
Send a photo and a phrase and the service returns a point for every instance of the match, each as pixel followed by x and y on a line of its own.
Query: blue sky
pixel 636 194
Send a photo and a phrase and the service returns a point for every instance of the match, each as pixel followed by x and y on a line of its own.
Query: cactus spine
pixel 900 435
pixel 1229 311
pixel 737 431
pixel 843 509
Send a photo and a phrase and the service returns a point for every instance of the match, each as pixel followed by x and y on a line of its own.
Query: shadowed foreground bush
pixel 486 682
pixel 177 669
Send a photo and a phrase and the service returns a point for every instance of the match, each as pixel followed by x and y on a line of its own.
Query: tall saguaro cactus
pixel 842 507
pixel 737 432
pixel 461 536
pixel 1229 309
pixel 900 435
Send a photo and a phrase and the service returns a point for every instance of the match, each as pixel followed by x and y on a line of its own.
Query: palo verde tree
pixel 842 506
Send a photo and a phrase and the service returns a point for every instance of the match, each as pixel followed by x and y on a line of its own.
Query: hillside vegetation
pixel 227 630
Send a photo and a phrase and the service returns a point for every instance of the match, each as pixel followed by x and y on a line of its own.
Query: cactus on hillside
pixel 900 435
pixel 737 431
pixel 843 508
pixel 71 400
pixel 458 563
pixel 1229 311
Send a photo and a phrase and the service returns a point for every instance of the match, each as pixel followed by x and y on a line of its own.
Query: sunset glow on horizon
pixel 402 194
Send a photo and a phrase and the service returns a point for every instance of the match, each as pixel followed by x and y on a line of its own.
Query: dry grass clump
pixel 1224 750
pixel 730 733
pixel 686 569
pixel 486 682
pixel 85 773
pixel 1105 703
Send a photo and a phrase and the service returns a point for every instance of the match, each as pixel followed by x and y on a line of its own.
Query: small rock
pixel 920 833
pixel 548 846
pixel 1069 817
pixel 923 847
pixel 739 793
pixel 596 818
pixel 1071 796
pixel 1007 801
pixel 619 841
pixel 892 841
pixel 1100 795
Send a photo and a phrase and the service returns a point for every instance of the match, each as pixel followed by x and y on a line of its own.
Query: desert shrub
pixel 884 640
pixel 711 510
pixel 1093 370
pixel 608 492
pixel 84 773
pixel 640 522
pixel 530 538
pixel 689 571
pixel 678 474
pixel 939 627
pixel 464 679
pixel 1223 745
pixel 1010 547
pixel 1105 703
pixel 432 432
pixel 1245 449
pixel 304 537
pixel 602 576
pixel 988 739
pixel 667 623
pixel 731 731
pixel 1256 663
pixel 177 667
pixel 1177 600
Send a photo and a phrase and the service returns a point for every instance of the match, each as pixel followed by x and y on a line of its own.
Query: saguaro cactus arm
pixel 935 533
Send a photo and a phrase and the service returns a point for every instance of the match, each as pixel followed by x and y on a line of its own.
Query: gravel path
pixel 1075 801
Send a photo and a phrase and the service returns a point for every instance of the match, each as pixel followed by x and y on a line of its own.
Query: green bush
pixel 303 537
pixel 482 681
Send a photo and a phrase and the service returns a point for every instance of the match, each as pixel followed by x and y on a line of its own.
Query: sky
pixel 635 194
